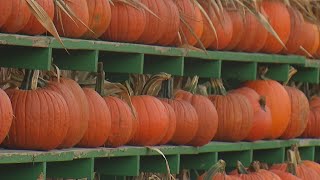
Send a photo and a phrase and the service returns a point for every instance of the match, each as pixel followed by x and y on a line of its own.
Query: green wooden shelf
pixel 130 160
pixel 38 52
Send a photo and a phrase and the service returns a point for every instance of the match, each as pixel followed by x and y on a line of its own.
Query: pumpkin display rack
pixel 39 52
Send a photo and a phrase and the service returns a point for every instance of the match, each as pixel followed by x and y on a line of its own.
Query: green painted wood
pixel 317 154
pixel 309 75
pixel 157 164
pixel 122 62
pixel 106 177
pixel 25 57
pixel 312 63
pixel 201 161
pixel 30 171
pixel 202 68
pixel 84 60
pixel 279 72
pixel 239 71
pixel 307 153
pixel 170 64
pixel 270 156
pixel 231 158
pixel 76 169
pixel 118 166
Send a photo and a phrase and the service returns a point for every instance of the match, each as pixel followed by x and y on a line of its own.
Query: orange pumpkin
pixel 313 125
pixel 172 124
pixel 153 121
pixel 296 38
pixel 99 18
pixel 187 121
pixel 191 20
pixel 262 121
pixel 279 18
pixel 278 101
pixel 219 173
pixel 127 23
pixel 6 115
pixel 284 175
pixel 75 27
pixel 19 16
pixel 311 39
pixel 207 116
pixel 5 10
pixel 299 113
pixel 238 25
pixel 99 122
pixel 34 27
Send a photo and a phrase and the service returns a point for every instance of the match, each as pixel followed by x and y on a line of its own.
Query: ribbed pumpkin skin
pixel 5 11
pixel 262 121
pixel 172 124
pixel 302 171
pixel 6 115
pixel 122 122
pixel 172 23
pixel 153 121
pixel 224 29
pixel 187 121
pixel 261 174
pixel 221 176
pixel 41 119
pixel 208 36
pixel 67 27
pixel 191 14
pixel 314 102
pixel 99 121
pixel 207 117
pixel 235 116
pixel 278 101
pixel 279 18
pixel 155 26
pixel 296 38
pixel 99 18
pixel 34 27
pixel 299 113
pixel 284 175
pixel 84 111
pixel 238 28
pixel 74 133
pixel 255 35
pixel 312 165
pixel 313 125
pixel 127 23
pixel 18 18
pixel 311 38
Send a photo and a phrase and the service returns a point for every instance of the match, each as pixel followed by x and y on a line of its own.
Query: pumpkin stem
pixel 295 149
pixel 167 89
pixel 262 102
pixel 264 166
pixel 241 169
pixel 292 162
pixel 101 75
pixel 218 87
pixel 254 166
pixel 262 71
pixel 153 85
pixel 292 72
pixel 27 80
pixel 192 86
pixel 219 167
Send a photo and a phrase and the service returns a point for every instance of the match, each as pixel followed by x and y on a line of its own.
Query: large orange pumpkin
pixel 19 16
pixel 187 121
pixel 311 39
pixel 6 115
pixel 99 18
pixel 235 125
pixel 238 25
pixel 224 29
pixel 72 28
pixel 313 125
pixel 299 113
pixel 296 38
pixel 219 173
pixel 208 36
pixel 172 23
pixel 262 121
pixel 172 124
pixel 156 24
pixel 191 20
pixel 99 121
pixel 279 18
pixel 41 119
pixel 122 122
pixel 285 175
pixel 278 101
pixel 153 121
pixel 207 117
pixel 5 10
pixel 81 126
pixel 127 23
pixel 74 133
pixel 34 27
